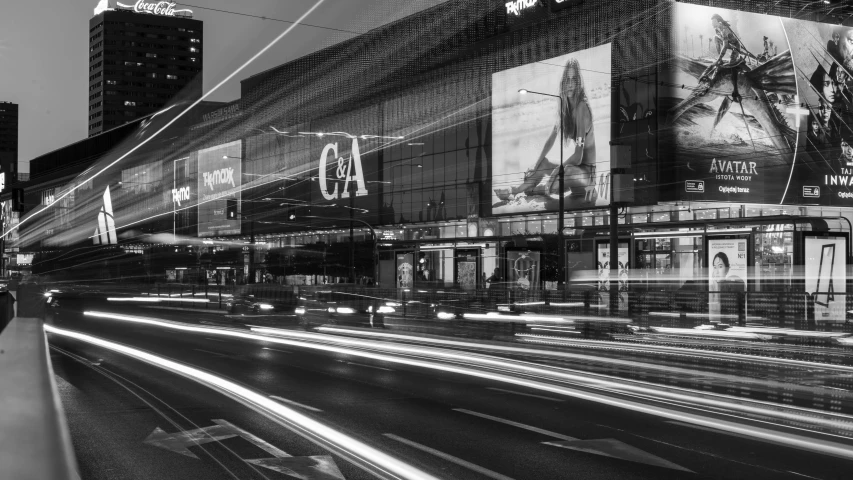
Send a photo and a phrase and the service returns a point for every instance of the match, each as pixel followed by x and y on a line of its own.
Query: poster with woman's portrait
pixel 727 267
pixel 567 108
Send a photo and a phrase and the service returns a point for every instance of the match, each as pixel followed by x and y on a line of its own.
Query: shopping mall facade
pixel 417 132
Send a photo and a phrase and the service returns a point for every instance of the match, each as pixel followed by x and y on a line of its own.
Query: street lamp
pixel 561 241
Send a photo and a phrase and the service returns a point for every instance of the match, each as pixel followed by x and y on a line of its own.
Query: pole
pixel 351 238
pixel 614 253
pixel 561 241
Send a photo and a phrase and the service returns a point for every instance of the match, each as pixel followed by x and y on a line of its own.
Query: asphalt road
pixel 448 425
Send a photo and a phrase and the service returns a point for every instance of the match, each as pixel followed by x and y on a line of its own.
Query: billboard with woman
pixel 568 106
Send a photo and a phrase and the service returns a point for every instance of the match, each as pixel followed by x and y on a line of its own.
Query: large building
pixel 139 59
pixel 8 143
pixel 421 131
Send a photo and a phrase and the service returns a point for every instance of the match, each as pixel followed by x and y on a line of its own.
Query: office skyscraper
pixel 140 56
pixel 8 142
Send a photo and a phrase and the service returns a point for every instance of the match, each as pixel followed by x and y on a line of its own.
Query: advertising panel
pixel 527 133
pixel 604 268
pixel 826 276
pixel 219 180
pixel 405 270
pixel 758 108
pixel 523 269
pixel 727 271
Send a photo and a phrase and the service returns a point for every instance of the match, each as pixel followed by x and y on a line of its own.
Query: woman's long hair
pixel 573 97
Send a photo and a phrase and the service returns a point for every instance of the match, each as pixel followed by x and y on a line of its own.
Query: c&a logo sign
pixel 343 171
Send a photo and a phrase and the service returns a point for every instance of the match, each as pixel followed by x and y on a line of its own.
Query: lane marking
pixel 450 458
pixel 215 340
pixel 291 402
pixel 516 424
pixel 365 366
pixel 277 350
pixel 211 353
pixel 369 459
pixel 525 394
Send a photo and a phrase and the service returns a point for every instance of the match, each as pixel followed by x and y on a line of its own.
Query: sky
pixel 44 52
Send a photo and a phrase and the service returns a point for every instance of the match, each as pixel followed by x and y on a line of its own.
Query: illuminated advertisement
pixel 727 271
pixel 219 180
pixel 604 268
pixel 826 276
pixel 528 135
pixel 758 108
pixel 523 269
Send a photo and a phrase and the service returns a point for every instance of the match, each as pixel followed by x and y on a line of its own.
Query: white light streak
pixel 312 428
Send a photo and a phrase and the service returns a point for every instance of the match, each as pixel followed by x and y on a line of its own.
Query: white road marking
pixel 365 366
pixel 276 350
pixel 516 424
pixel 215 340
pixel 291 402
pixel 525 394
pixel 450 458
pixel 211 353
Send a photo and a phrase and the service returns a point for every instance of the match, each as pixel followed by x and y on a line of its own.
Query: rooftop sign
pixel 156 8
pixel 166 9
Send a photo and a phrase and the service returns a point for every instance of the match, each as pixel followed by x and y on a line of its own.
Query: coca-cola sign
pixel 156 8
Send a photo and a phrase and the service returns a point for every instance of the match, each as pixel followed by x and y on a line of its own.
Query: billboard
pixel 219 180
pixel 527 134
pixel 727 272
pixel 758 108
pixel 826 276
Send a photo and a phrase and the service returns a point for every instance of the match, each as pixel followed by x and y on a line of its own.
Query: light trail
pixel 216 87
pixel 367 457
pixel 509 372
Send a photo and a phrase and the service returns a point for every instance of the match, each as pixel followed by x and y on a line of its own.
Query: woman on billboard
pixel 578 143
pixel 721 281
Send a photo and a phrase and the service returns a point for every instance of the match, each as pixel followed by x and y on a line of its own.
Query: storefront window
pixel 640 218
pixel 534 226
pixel 550 226
pixel 709 214
pixel 723 213
pixel 661 216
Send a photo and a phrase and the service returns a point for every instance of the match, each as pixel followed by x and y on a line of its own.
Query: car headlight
pixel 446 316
pixel 299 311
pixel 265 306
pixel 346 310
pixel 385 309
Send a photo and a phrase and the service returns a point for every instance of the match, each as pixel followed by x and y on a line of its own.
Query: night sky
pixel 44 53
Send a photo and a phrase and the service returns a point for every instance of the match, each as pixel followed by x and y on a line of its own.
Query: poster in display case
pixel 826 276
pixel 523 268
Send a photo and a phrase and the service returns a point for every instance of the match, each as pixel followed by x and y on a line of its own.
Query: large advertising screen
pixel 826 276
pixel 219 180
pixel 758 108
pixel 527 134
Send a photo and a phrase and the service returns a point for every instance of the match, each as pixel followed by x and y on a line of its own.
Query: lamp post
pixel 561 240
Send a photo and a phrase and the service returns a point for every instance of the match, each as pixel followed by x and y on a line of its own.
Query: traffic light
pixel 17 199
pixel 231 208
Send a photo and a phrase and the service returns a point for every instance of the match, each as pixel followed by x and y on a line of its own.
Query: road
pixel 438 422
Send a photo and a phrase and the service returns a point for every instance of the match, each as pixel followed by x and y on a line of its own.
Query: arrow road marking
pixel 525 394
pixel 450 458
pixel 179 441
pixel 608 447
pixel 291 402
pixel 319 467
